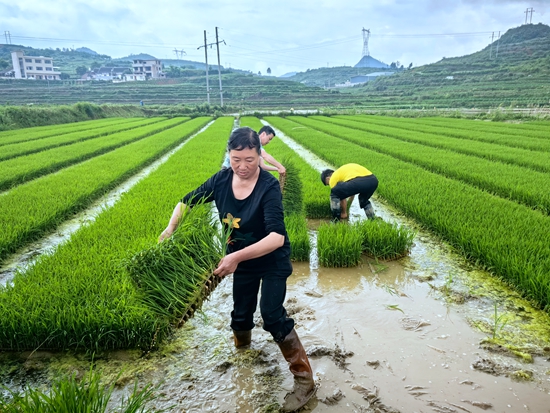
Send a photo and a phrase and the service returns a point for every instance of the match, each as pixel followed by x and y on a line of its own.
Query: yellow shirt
pixel 347 172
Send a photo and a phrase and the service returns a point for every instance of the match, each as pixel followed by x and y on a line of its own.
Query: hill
pixel 512 71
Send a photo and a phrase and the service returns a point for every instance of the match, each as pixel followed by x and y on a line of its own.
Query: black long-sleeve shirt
pixel 257 215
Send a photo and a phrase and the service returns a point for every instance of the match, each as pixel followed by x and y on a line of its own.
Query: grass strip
pixel 24 168
pixel 26 148
pixel 81 296
pixel 29 210
pixel 40 132
pixel 513 182
pixel 506 238
pixel 539 161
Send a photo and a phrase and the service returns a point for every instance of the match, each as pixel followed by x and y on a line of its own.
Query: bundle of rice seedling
pixel 300 245
pixel 384 240
pixel 175 275
pixel 339 245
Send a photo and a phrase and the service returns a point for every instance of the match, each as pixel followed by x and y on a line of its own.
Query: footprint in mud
pixel 337 355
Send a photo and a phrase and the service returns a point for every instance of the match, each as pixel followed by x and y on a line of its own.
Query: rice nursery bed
pixel 81 297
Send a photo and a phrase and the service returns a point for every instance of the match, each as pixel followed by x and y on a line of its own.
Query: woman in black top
pixel 258 253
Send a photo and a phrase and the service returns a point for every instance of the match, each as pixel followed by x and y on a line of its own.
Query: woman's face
pixel 245 163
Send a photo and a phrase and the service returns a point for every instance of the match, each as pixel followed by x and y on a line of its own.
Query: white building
pixel 33 67
pixel 151 69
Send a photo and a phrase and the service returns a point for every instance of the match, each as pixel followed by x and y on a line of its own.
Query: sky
pixel 283 35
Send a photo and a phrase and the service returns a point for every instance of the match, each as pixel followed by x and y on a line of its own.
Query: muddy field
pixel 427 333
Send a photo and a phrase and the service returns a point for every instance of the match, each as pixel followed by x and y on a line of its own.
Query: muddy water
pixel 408 336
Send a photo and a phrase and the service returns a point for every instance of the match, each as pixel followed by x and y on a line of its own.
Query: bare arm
pixel 265 166
pixel 270 243
pixel 280 168
pixel 174 221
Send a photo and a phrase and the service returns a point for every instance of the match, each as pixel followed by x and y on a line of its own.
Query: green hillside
pixel 513 71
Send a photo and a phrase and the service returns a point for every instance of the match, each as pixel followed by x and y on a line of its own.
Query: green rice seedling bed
pixel 298 234
pixel 383 240
pixel 339 245
pixel 538 161
pixel 26 148
pixel 315 194
pixel 40 132
pixel 513 182
pixel 29 210
pixel 508 239
pixel 534 144
pixel 531 129
pixel 82 296
pixel 24 168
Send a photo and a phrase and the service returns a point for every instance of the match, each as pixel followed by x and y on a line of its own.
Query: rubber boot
pixel 336 209
pixel 304 386
pixel 242 338
pixel 369 211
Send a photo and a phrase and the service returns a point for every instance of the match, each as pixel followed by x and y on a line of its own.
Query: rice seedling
pixel 300 244
pixel 509 239
pixel 292 189
pixel 171 274
pixel 26 148
pixel 81 296
pixel 22 169
pixel 70 395
pixel 424 134
pixel 40 132
pixel 29 210
pixel 518 183
pixel 339 245
pixel 383 240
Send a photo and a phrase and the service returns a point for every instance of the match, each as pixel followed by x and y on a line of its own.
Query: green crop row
pixel 40 132
pixel 315 195
pixel 82 296
pixel 514 182
pixel 539 161
pixel 509 239
pixel 30 209
pixel 38 145
pixel 531 129
pixel 535 144
pixel 24 168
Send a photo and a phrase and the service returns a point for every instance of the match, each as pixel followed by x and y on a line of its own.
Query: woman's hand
pixel 167 233
pixel 227 265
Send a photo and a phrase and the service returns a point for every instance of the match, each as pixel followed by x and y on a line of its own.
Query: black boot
pixel 369 211
pixel 242 338
pixel 336 209
pixel 304 386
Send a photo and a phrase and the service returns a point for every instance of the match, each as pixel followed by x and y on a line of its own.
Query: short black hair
pixel 242 138
pixel 267 129
pixel 326 173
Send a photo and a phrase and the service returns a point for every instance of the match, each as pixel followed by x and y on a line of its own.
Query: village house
pixel 33 67
pixel 151 69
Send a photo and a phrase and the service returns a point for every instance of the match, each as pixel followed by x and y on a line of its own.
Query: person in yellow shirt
pixel 346 182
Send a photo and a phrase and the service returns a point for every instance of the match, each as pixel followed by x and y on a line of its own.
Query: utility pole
pixel 206 61
pixel 527 11
pixel 219 70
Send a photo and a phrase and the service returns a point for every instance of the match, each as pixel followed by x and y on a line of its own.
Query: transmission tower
pixel 527 12
pixel 8 37
pixel 366 35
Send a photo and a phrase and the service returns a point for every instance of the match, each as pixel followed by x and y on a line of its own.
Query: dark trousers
pixel 364 186
pixel 272 281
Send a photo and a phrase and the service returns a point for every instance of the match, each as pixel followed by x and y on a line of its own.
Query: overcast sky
pixel 283 35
